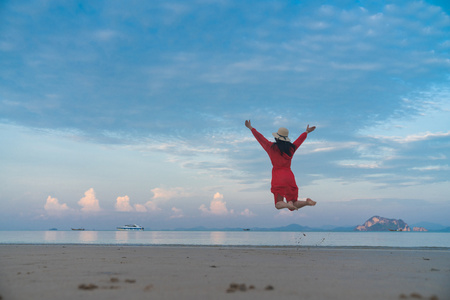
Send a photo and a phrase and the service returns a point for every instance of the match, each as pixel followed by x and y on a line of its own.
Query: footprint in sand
pixel 243 287
pixel 87 287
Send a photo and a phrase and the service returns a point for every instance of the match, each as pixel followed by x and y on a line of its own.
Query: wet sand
pixel 157 272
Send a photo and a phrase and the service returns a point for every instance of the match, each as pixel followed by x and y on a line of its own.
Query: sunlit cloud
pixel 216 207
pixel 123 204
pixel 166 194
pixel 89 203
pixel 140 208
pixel 247 213
pixel 151 206
pixel 162 195
pixel 53 205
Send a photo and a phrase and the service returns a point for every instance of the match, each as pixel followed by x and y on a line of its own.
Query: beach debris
pixel 114 279
pixel 234 287
pixel 213 266
pixel 130 280
pixel 417 296
pixel 425 258
pixel 111 287
pixel 87 287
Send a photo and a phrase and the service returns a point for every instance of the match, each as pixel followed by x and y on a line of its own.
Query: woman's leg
pixel 280 204
pixel 308 202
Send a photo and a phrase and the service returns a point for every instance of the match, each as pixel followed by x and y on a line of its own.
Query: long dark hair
pixel 284 147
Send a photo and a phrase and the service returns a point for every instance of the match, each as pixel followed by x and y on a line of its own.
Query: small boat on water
pixel 78 229
pixel 130 227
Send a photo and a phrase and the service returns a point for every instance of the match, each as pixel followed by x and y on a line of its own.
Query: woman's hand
pixel 310 129
pixel 248 124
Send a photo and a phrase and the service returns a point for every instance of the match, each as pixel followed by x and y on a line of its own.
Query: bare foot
pixel 310 202
pixel 282 204
pixel 291 206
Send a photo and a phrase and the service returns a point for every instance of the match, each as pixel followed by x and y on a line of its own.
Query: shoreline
pixel 73 271
pixel 234 246
pixel 246 239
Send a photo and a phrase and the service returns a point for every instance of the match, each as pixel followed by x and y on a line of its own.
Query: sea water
pixel 232 238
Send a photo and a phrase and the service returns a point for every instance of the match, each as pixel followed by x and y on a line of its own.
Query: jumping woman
pixel 280 153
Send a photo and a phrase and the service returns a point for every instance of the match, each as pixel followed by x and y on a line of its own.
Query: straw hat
pixel 282 134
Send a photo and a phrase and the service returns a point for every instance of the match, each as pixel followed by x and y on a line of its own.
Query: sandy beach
pixel 153 272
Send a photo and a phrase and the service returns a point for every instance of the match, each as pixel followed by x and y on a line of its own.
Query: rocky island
pixel 377 223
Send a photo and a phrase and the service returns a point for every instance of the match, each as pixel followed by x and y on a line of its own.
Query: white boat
pixel 130 227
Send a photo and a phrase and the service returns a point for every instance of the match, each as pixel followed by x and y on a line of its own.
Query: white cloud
pixel 217 206
pixel 437 157
pixel 53 204
pixel 123 204
pixel 166 194
pixel 359 164
pixel 413 137
pixel 89 203
pixel 432 168
pixel 327 146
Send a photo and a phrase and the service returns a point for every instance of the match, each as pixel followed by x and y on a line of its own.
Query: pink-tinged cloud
pixel 152 206
pixel 162 195
pixel 123 204
pixel 140 208
pixel 247 213
pixel 53 204
pixel 217 206
pixel 89 203
pixel 166 194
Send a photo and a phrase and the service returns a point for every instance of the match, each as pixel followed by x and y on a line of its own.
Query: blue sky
pixel 117 112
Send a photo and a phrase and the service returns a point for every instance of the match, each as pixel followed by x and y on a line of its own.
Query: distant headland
pixel 377 223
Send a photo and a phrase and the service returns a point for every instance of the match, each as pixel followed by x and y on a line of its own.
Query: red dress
pixel 283 180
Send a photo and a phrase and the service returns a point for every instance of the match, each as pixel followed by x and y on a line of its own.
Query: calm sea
pixel 232 238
